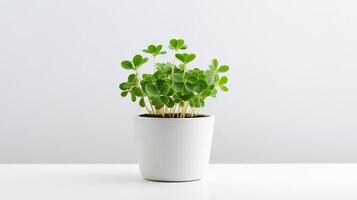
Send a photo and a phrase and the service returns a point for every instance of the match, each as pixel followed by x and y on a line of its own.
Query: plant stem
pixel 174 57
pixel 154 61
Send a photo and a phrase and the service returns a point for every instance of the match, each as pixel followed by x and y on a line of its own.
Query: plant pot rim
pixel 202 117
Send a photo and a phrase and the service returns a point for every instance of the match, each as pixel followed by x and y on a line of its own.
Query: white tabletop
pixel 224 181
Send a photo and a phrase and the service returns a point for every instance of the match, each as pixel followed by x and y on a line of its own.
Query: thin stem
pixel 174 57
pixel 154 61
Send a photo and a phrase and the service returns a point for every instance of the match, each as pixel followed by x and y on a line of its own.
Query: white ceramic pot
pixel 173 149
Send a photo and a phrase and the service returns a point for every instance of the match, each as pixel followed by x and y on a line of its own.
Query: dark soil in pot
pixel 173 116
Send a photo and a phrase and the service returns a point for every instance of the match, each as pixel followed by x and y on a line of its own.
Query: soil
pixel 170 116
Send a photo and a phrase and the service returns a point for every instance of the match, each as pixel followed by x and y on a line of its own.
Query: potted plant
pixel 173 139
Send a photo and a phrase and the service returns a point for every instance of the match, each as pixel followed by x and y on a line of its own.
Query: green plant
pixel 172 90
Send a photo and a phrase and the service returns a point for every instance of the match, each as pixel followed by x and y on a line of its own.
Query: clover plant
pixel 173 89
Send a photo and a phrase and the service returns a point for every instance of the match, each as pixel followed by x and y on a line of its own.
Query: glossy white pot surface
pixel 173 149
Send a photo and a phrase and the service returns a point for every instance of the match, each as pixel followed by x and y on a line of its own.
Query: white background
pixel 292 81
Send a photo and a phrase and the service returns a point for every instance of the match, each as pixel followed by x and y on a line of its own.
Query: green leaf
pixel 189 86
pixel 162 52
pixel 151 89
pixel 164 88
pixel 192 103
pixel 126 64
pixel 177 86
pixel 151 48
pixel 123 94
pixel 136 91
pixel 147 76
pixel 165 68
pixel 143 83
pixel 206 93
pixel 132 79
pixel 164 100
pixel 173 43
pixel 209 77
pixel 223 80
pixel 190 57
pixel 197 102
pixel 146 51
pixel 133 97
pixel 159 106
pixel 180 43
pixel 159 75
pixel 124 86
pixel 181 103
pixel 144 60
pixel 200 86
pixel 223 88
pixel 180 57
pixel 158 49
pixel 213 92
pixel 137 60
pixel 192 78
pixel 177 77
pixel 171 103
pixel 215 63
pixel 142 102
pixel 223 68
pixel 171 92
pixel 202 102
pixel 183 47
pixel 187 97
pixel 155 100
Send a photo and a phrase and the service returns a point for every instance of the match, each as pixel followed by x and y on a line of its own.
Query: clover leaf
pixel 185 58
pixel 172 90
pixel 177 44
pixel 154 50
